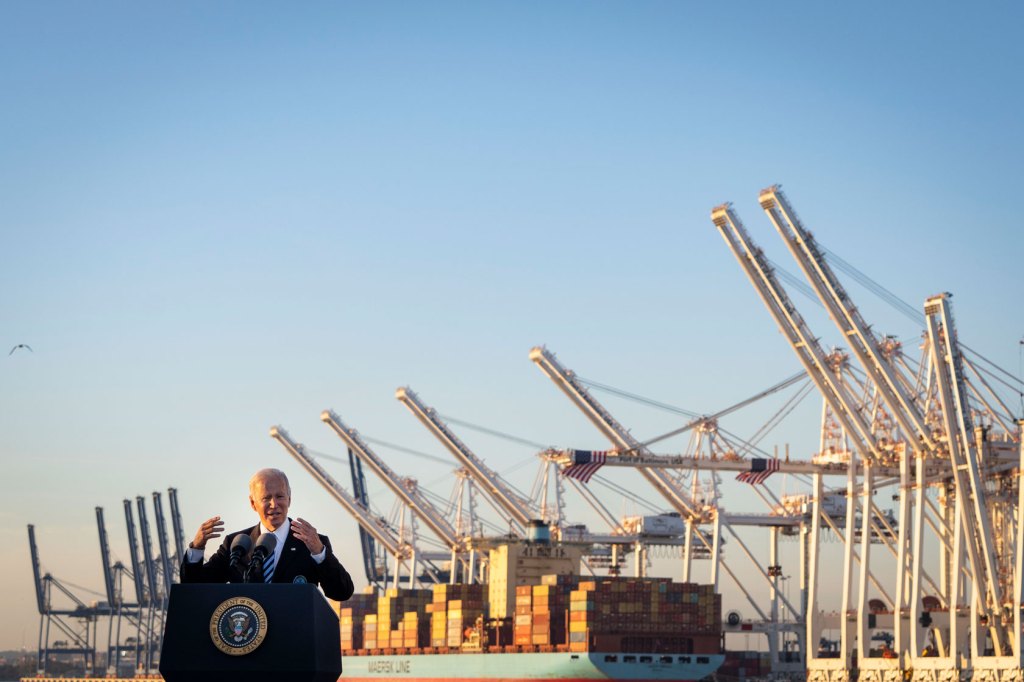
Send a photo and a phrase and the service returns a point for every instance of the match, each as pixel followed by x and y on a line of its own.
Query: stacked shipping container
pixel 454 609
pixel 412 619
pixel 350 616
pixel 562 613
pixel 541 611
pixel 398 620
pixel 649 616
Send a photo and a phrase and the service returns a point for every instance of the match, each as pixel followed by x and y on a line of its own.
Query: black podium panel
pixel 298 640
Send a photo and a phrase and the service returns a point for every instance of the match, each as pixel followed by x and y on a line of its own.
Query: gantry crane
pixel 167 564
pixel 144 595
pixel 611 429
pixel 902 405
pixel 869 350
pixel 405 488
pixel 81 639
pixel 157 598
pixel 964 444
pixel 108 573
pixel 633 453
pixel 637 454
pixel 152 577
pixel 844 314
pixel 519 510
pixel 877 354
pixel 845 407
pixel 809 351
pixel 946 452
pixel 394 545
pixel 113 583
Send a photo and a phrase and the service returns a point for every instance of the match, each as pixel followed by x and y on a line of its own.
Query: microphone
pixel 264 548
pixel 240 546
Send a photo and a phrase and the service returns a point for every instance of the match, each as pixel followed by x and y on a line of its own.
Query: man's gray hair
pixel 264 474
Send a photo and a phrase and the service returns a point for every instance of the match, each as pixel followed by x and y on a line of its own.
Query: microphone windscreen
pixel 242 543
pixel 268 541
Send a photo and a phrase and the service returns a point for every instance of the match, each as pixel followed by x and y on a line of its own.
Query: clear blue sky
pixel 221 217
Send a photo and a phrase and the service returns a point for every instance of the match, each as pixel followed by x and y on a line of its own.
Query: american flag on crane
pixel 760 470
pixel 585 464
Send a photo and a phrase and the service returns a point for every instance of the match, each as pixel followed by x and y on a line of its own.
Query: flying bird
pixel 20 345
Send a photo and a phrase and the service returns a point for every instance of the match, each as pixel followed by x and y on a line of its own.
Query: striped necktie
pixel 268 568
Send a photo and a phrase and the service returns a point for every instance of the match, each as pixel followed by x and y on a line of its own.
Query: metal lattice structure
pixel 956 485
pixel 134 627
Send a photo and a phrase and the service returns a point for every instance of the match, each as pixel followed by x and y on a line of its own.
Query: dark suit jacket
pixel 295 561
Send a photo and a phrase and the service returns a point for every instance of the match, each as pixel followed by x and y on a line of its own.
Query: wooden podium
pixel 251 633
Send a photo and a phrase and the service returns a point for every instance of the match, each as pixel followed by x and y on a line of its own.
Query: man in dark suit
pixel 301 554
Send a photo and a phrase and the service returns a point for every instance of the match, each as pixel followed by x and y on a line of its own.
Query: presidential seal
pixel 238 626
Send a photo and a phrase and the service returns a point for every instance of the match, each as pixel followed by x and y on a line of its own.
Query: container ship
pixel 563 628
pixel 528 625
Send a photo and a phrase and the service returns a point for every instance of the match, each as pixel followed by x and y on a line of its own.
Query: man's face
pixel 270 498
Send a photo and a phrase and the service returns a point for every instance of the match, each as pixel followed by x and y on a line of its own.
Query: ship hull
pixel 509 667
pixel 519 667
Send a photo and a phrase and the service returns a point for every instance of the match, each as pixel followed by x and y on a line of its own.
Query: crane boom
pixel 519 509
pixel 793 327
pixel 138 574
pixel 963 453
pixel 163 543
pixel 844 314
pixel 404 488
pixel 595 411
pixel 37 576
pixel 108 576
pixel 147 549
pixel 363 517
pixel 179 531
pixel 609 426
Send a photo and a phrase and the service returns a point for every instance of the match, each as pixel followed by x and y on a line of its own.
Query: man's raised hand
pixel 307 533
pixel 211 528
